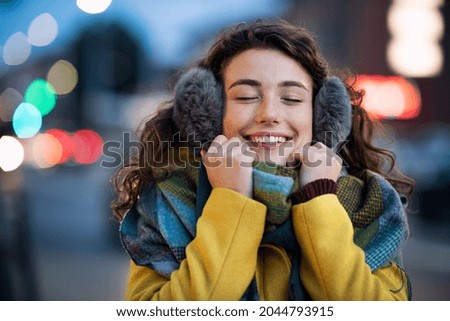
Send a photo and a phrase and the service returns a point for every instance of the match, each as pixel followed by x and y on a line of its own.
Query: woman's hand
pixel 318 162
pixel 228 163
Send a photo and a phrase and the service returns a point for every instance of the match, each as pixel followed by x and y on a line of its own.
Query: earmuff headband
pixel 199 106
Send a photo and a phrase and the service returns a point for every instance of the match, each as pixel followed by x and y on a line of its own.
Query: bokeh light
pixel 415 59
pixel 87 146
pixel 57 146
pixel 416 28
pixel 43 30
pixel 63 76
pixel 17 49
pixel 42 95
pixel 422 3
pixel 46 150
pixel 389 96
pixel 93 7
pixel 11 153
pixel 3 67
pixel 405 20
pixel 66 142
pixel 27 120
pixel 10 98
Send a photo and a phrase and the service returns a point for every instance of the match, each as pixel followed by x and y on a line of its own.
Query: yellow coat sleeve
pixel 220 261
pixel 333 266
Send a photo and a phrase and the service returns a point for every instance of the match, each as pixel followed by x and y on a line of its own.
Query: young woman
pixel 259 181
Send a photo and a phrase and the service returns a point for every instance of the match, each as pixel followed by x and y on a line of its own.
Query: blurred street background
pixel 75 75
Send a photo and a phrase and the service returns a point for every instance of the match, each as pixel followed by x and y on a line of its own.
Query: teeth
pixel 268 139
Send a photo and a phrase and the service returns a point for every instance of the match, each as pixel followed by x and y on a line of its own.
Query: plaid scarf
pixel 156 231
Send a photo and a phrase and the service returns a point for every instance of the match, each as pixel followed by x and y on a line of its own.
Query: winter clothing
pixel 327 241
pixel 190 243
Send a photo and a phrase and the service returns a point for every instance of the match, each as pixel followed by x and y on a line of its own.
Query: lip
pixel 250 137
pixel 267 145
pixel 275 134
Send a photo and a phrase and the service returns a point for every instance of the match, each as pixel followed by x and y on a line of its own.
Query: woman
pixel 267 210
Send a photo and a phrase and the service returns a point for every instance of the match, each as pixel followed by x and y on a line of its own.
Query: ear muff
pixel 199 104
pixel 332 115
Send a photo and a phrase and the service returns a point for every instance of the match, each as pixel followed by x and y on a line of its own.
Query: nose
pixel 267 112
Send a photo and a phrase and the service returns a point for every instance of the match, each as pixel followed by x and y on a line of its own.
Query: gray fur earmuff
pixel 332 115
pixel 199 104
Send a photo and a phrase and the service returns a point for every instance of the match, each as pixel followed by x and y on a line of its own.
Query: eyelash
pixel 287 101
pixel 292 100
pixel 246 98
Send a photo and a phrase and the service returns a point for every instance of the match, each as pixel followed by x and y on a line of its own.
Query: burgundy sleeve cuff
pixel 314 189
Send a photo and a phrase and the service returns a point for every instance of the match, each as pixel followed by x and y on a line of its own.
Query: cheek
pixel 229 123
pixel 235 120
pixel 304 128
pixel 307 137
pixel 227 127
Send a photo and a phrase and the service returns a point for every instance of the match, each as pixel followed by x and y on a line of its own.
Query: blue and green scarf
pixel 156 231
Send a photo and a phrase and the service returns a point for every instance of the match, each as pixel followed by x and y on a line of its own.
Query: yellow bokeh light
pixel 63 76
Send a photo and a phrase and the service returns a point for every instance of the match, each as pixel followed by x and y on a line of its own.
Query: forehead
pixel 266 65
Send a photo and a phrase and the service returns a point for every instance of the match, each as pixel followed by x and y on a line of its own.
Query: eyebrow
pixel 255 83
pixel 292 83
pixel 245 81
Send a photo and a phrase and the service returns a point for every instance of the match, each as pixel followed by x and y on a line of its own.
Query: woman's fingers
pixel 228 163
pixel 319 162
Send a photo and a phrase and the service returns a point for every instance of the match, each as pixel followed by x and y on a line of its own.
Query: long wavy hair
pixel 160 158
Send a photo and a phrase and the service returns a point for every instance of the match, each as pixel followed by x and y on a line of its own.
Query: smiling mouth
pixel 267 141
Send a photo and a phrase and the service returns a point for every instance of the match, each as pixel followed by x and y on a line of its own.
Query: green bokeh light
pixel 42 95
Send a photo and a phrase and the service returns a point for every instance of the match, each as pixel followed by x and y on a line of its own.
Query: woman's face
pixel 268 103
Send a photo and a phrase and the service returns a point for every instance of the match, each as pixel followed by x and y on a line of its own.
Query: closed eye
pixel 246 98
pixel 289 100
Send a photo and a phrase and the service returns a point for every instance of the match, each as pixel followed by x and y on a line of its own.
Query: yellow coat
pixel 226 255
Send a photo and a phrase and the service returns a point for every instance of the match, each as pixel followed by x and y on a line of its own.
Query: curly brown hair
pixel 296 42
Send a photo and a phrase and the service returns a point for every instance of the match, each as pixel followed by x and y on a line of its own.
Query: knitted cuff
pixel 313 189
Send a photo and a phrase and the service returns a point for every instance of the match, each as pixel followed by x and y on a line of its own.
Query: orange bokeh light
pixel 47 150
pixel 66 141
pixel 389 96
